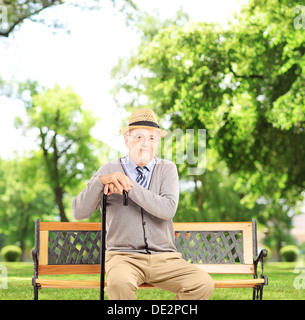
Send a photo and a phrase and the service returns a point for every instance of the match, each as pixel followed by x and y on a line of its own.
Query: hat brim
pixel 123 131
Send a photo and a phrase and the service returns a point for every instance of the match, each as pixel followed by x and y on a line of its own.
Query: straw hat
pixel 143 118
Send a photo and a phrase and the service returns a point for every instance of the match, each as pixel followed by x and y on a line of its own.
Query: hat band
pixel 145 123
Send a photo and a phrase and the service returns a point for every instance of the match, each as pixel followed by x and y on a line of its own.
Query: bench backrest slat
pixel 70 226
pixel 74 247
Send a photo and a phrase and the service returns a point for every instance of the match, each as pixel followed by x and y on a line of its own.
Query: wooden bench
pixel 217 248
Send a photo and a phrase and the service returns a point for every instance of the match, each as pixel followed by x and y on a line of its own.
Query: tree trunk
pixel 278 248
pixel 23 229
pixel 59 201
pixel 199 192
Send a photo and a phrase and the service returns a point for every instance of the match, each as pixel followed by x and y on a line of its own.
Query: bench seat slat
pixel 93 284
pixel 95 269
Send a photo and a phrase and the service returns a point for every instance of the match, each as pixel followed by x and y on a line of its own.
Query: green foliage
pixel 69 154
pixel 217 202
pixel 289 253
pixel 42 184
pixel 302 247
pixel 243 85
pixel 233 83
pixel 23 184
pixel 11 253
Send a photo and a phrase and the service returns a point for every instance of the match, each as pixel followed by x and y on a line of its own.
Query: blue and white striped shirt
pixel 130 168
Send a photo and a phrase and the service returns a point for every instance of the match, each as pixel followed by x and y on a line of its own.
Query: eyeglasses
pixel 142 138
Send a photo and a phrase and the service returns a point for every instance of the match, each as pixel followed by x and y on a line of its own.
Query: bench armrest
pixel 260 259
pixel 35 260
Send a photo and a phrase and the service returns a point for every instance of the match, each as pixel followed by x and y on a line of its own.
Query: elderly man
pixel 140 237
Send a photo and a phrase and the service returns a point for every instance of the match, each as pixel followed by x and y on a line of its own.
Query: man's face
pixel 142 145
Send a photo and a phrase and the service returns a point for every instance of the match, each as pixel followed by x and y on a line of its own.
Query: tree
pixel 18 11
pixel 243 85
pixel 267 66
pixel 24 196
pixel 213 198
pixel 201 76
pixel 62 125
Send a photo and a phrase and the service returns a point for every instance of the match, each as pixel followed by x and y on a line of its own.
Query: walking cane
pixel 103 241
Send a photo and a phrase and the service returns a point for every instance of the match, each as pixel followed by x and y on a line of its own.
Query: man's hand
pixel 115 182
pixel 110 188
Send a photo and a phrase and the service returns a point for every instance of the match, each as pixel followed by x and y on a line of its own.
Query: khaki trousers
pixel 168 271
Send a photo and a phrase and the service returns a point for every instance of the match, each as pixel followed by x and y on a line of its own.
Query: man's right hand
pixel 119 179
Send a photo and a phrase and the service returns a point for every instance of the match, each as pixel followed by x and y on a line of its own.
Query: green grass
pixel 281 286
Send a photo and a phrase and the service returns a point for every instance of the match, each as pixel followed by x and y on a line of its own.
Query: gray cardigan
pixel 145 225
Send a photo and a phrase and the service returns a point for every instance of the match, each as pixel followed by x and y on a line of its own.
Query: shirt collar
pixel 132 166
